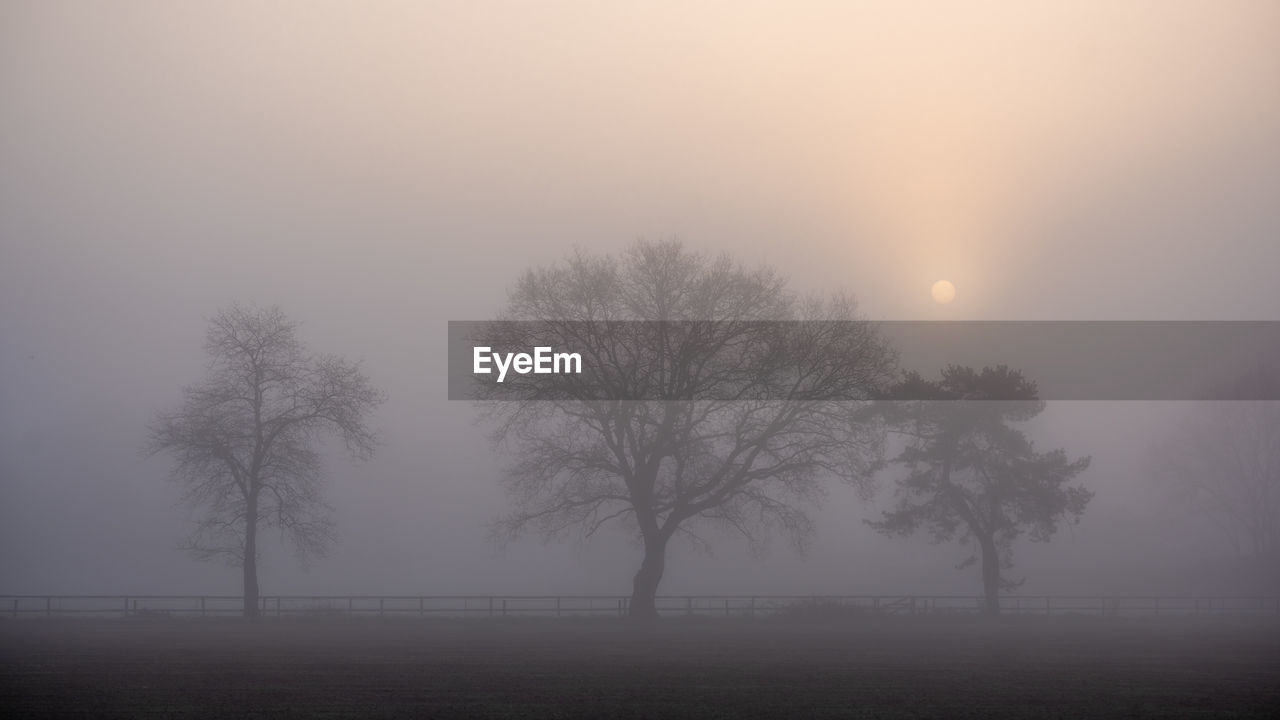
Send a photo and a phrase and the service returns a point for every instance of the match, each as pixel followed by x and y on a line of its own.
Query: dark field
pixel 872 667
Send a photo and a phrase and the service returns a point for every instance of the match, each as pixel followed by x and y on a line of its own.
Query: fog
pixel 377 172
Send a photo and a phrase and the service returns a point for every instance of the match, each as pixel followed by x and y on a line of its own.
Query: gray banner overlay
pixel 1068 360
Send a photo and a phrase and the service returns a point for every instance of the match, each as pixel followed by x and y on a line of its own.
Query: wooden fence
pixel 20 606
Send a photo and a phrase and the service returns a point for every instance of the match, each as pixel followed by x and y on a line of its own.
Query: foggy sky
pixel 379 171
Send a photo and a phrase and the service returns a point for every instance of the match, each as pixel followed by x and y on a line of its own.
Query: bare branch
pixel 702 451
pixel 243 441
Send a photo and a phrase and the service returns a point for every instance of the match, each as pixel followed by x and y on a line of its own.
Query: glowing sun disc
pixel 943 292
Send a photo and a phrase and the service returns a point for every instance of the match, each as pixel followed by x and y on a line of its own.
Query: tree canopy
pixel 970 476
pixel 735 427
pixel 244 441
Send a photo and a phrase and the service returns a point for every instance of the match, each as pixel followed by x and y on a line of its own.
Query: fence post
pixel 490 606
pixel 48 606
pixel 125 613
pixel 15 608
pixel 349 606
pixel 753 606
pixel 504 607
pixel 688 605
pixel 381 605
pixel 202 613
pixel 726 607
pixel 557 606
pixel 420 602
pixel 277 606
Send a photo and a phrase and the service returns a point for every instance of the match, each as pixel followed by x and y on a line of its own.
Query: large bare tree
pixel 695 404
pixel 245 440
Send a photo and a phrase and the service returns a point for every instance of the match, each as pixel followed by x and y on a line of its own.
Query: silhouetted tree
pixel 972 477
pixel 244 439
pixel 734 425
pixel 1222 461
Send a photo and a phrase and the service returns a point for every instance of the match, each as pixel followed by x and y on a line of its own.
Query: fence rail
pixel 19 606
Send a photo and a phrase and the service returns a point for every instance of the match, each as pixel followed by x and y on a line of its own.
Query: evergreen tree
pixel 972 477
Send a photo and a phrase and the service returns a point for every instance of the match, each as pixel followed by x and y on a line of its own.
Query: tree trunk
pixel 250 563
pixel 644 588
pixel 990 576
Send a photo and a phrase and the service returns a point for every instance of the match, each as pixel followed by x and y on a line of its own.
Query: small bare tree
pixel 1222 462
pixel 244 440
pixel 694 404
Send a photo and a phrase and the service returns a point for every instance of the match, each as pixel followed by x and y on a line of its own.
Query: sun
pixel 943 292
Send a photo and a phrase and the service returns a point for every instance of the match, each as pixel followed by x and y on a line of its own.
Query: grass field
pixel 907 667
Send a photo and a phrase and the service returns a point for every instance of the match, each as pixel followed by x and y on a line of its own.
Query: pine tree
pixel 972 477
